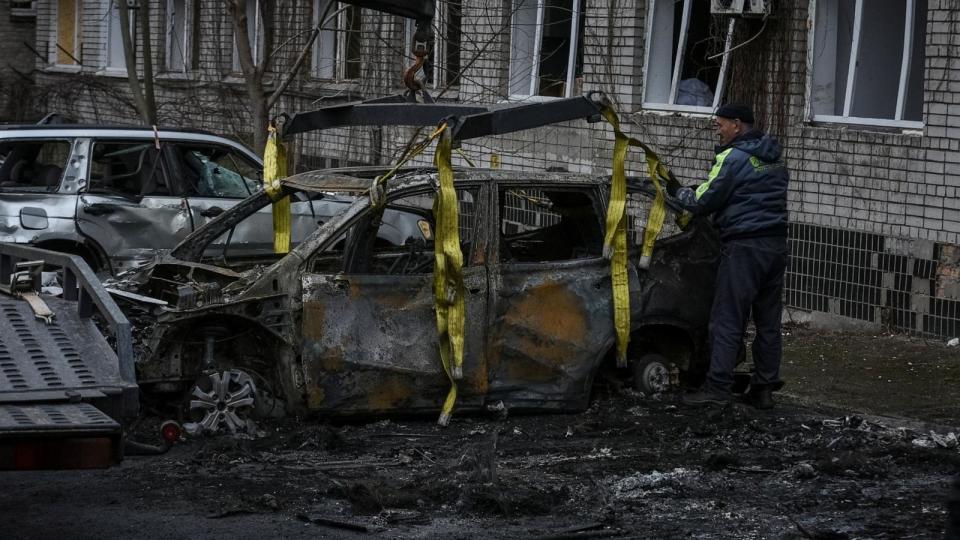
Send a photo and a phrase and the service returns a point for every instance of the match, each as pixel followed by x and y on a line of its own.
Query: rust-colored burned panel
pixel 313 319
pixel 390 393
pixel 551 320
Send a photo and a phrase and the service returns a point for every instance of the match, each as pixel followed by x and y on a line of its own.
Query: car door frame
pixel 105 212
pixel 530 365
pixel 345 377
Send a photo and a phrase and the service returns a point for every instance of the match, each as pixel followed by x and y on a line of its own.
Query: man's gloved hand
pixel 672 185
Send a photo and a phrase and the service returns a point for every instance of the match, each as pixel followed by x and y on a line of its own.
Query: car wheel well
pixel 89 253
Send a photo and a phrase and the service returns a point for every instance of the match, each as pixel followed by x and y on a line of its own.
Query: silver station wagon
pixel 118 195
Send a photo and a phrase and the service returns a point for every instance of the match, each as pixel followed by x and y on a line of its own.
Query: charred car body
pixel 345 323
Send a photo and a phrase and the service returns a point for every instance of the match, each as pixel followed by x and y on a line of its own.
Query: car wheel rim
pixel 222 399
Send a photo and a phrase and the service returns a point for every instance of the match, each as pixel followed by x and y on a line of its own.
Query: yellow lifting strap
pixel 275 168
pixel 615 240
pixel 448 274
pixel 415 151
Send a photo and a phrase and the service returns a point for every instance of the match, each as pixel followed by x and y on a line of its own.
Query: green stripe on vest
pixel 713 172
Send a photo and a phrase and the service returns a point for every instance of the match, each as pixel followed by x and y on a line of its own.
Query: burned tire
pixel 651 374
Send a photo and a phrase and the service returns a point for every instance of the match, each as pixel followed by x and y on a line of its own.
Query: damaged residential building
pixel 864 96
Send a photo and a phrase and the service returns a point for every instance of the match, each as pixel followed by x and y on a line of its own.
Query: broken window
pixel 397 239
pixel 546 48
pixel 254 33
pixel 336 53
pixel 67 47
pixel 115 58
pixel 868 61
pixel 555 225
pixel 214 171
pixel 125 168
pixel 33 165
pixel 685 61
pixel 441 68
pixel 182 25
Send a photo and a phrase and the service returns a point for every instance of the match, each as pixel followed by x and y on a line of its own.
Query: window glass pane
pixel 833 39
pixel 878 66
pixel 325 53
pixel 212 171
pixel 548 225
pixel 665 29
pixel 115 56
pixel 522 37
pixel 555 48
pixel 33 165
pixel 353 43
pixel 913 108
pixel 880 54
pixel 176 36
pixel 67 32
pixel 705 37
pixel 127 168
pixel 451 67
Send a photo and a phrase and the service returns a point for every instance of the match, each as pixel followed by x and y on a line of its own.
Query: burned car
pixel 345 324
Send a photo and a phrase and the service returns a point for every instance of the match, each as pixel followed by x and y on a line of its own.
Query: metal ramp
pixel 64 390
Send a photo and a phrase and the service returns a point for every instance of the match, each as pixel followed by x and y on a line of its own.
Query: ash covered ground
pixel 844 455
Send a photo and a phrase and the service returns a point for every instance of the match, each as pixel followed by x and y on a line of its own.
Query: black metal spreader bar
pixel 467 121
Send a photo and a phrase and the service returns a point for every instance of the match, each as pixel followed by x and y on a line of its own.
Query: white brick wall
pixel 876 183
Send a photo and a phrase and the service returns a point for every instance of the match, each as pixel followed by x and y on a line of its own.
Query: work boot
pixel 705 396
pixel 761 397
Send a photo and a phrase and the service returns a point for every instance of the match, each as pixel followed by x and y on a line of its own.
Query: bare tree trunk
pixel 146 108
pixel 144 18
pixel 252 75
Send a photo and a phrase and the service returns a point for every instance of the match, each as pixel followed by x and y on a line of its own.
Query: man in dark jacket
pixel 746 192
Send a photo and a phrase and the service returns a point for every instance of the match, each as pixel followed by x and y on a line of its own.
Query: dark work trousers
pixel 750 277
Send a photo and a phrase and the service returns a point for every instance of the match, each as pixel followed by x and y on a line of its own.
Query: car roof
pixel 71 127
pixel 359 179
pixel 54 131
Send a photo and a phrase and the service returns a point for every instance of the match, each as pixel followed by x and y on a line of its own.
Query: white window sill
pixel 522 98
pixel 667 108
pixel 176 76
pixel 112 72
pixel 907 125
pixel 62 68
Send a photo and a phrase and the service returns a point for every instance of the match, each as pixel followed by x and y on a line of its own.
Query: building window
pixel 337 48
pixel 441 68
pixel 115 59
pixel 67 46
pixel 685 65
pixel 546 48
pixel 254 33
pixel 868 62
pixel 180 34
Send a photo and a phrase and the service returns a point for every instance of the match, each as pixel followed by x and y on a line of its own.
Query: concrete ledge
pixel 827 321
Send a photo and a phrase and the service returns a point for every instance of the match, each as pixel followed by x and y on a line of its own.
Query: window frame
pixel 339 35
pixel 678 54
pixel 77 53
pixel 906 54
pixel 113 14
pixel 441 46
pixel 256 38
pixel 590 190
pixel 186 41
pixel 576 15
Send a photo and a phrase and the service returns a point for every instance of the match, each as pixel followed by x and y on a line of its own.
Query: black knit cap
pixel 736 111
